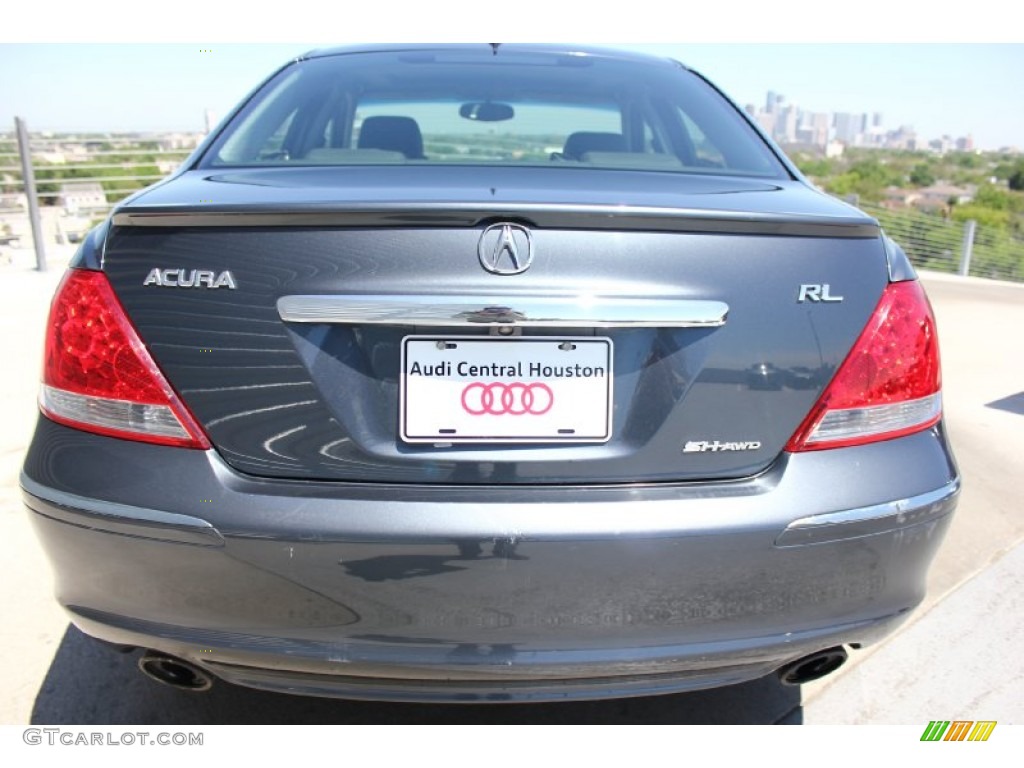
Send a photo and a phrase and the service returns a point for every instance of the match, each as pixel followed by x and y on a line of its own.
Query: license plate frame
pixel 506 391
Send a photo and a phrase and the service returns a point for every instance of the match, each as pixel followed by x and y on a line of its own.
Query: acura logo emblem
pixel 506 249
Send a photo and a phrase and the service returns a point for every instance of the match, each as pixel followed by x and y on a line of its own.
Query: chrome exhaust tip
pixel 813 666
pixel 175 672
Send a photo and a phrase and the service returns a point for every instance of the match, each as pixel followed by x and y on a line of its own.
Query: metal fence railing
pixel 134 164
pixel 934 242
pixel 77 178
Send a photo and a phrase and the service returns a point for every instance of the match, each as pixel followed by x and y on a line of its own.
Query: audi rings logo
pixel 515 399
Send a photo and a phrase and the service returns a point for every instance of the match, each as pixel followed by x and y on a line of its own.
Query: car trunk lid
pixel 297 306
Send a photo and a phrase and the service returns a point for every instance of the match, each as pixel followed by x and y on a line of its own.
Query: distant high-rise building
pixel 786 123
pixel 209 119
pixel 876 121
pixel 819 124
pixel 965 143
pixel 903 138
pixel 769 102
pixel 766 121
pixel 851 128
pixel 847 127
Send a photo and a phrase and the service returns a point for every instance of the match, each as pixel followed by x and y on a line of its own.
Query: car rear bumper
pixel 469 593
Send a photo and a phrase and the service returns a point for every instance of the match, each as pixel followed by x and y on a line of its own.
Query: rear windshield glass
pixel 509 108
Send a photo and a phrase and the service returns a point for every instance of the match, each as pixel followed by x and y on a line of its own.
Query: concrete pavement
pixel 960 660
pixel 956 658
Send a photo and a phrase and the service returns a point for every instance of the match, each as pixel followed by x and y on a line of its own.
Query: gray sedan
pixel 489 373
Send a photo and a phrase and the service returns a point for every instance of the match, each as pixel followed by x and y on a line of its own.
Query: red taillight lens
pixel 99 376
pixel 888 386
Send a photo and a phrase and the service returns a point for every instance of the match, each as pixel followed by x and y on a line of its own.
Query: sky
pixel 153 74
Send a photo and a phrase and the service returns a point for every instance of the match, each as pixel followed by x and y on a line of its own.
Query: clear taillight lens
pixel 890 383
pixel 99 376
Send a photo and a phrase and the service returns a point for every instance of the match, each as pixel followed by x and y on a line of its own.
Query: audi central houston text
pixel 534 370
pixel 488 373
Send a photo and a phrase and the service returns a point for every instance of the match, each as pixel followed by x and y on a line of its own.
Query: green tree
pixel 985 216
pixel 922 175
pixel 968 160
pixel 999 199
pixel 867 178
pixel 817 167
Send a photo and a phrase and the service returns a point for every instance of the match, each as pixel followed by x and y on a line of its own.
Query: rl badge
pixel 491 390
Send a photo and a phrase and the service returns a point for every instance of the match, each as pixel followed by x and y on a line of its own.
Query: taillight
pixel 888 386
pixel 99 376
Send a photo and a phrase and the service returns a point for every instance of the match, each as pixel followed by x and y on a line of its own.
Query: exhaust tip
pixel 813 667
pixel 175 672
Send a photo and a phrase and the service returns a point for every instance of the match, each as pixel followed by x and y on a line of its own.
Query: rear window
pixel 473 107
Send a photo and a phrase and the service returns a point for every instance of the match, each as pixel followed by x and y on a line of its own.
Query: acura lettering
pixel 190 278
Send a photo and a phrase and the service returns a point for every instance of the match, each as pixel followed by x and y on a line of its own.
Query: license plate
pixel 536 390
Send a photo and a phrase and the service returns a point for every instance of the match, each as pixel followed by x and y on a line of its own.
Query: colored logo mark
pixel 515 399
pixel 958 730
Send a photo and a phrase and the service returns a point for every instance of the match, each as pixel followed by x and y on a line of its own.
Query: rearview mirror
pixel 487 111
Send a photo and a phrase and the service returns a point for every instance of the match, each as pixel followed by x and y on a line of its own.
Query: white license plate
pixel 523 390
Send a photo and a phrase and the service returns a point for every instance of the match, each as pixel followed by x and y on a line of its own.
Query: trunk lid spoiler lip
pixel 472 214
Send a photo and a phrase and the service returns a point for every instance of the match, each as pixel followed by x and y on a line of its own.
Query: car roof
pixel 493 49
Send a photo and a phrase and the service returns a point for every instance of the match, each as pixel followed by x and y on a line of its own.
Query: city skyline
pixel 939 89
pixel 791 126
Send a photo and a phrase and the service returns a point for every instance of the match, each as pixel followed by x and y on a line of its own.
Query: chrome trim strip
pixel 113 517
pixel 475 311
pixel 866 521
